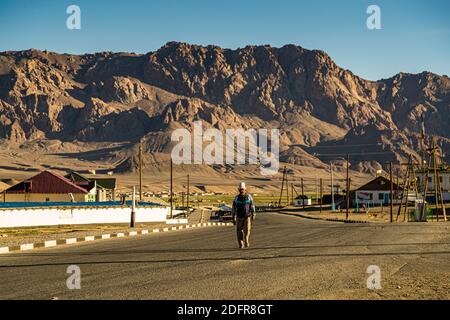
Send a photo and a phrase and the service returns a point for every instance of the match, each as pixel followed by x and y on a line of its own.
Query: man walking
pixel 243 212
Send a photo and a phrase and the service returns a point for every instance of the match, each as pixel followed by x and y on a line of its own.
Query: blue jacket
pixel 243 206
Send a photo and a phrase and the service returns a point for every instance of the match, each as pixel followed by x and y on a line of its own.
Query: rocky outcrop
pixel 127 97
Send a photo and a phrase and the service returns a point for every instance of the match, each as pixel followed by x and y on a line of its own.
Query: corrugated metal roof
pixel 76 177
pixel 105 183
pixel 379 184
pixel 46 182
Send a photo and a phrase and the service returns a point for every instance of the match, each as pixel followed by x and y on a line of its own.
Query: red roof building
pixel 47 187
pixel 46 182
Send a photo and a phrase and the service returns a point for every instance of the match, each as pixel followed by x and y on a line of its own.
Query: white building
pixel 376 192
pixel 444 180
pixel 300 201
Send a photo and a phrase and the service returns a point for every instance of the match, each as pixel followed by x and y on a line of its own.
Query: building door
pixel 387 198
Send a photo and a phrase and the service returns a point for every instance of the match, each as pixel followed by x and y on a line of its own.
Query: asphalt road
pixel 289 258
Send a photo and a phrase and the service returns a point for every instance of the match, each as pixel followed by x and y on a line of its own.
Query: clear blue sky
pixel 415 35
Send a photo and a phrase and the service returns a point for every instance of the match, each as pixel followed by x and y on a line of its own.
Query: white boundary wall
pixel 31 217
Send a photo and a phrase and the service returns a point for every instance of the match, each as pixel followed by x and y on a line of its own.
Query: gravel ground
pixel 375 215
pixel 289 258
pixel 371 217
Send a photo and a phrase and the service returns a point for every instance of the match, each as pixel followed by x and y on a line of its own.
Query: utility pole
pixel 320 195
pixel 392 192
pixel 405 192
pixel 303 194
pixel 332 187
pixel 397 181
pixel 348 188
pixel 282 187
pixel 292 194
pixel 423 165
pixel 171 188
pixel 317 191
pixel 140 170
pixel 187 195
pixel 287 190
pixel 133 208
pixel 425 189
pixel 436 178
pixel 437 183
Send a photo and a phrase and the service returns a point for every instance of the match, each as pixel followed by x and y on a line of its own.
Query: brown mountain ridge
pixel 322 110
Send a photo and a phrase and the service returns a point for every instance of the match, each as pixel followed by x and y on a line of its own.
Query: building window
pixel 47 199
pixel 381 196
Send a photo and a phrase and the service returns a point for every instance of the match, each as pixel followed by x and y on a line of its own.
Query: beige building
pixel 105 186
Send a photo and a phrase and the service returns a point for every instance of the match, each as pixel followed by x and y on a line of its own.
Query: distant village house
pixel 48 187
pixel 105 188
pixel 376 192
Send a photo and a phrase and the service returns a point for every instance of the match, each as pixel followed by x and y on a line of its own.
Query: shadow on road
pixel 215 250
pixel 230 258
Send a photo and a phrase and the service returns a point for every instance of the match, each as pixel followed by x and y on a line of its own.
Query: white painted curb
pixel 53 243
pixel 50 243
pixel 26 246
pixel 4 250
pixel 71 241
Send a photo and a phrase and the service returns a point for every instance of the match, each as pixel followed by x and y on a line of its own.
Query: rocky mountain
pixel 322 110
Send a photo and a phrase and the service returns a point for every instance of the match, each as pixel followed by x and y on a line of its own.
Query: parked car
pixel 221 213
pixel 225 217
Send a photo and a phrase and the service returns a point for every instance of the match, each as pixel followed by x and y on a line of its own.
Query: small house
pixel 105 186
pixel 302 200
pixel 376 192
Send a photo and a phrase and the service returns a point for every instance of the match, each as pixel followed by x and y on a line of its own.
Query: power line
pixel 351 154
pixel 346 145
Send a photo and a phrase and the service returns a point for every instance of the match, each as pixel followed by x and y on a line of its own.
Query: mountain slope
pixel 322 110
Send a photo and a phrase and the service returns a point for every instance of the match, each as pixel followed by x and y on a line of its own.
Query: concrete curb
pixel 69 241
pixel 323 219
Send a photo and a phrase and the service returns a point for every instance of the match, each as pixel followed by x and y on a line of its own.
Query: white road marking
pixel 71 241
pixel 50 243
pixel 4 250
pixel 27 246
